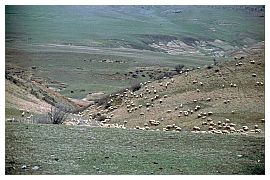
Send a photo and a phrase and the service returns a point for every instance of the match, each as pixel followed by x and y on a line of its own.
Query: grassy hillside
pixel 245 107
pixel 82 150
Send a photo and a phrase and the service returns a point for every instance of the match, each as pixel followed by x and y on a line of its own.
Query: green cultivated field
pixel 82 150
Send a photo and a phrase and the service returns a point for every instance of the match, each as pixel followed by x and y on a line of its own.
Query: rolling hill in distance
pixel 64 42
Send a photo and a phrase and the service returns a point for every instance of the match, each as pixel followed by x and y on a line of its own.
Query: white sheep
pixel 252 62
pixel 169 111
pixel 245 128
pixel 258 130
pixel 196 128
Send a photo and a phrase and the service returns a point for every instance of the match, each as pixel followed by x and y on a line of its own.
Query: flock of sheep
pixel 154 94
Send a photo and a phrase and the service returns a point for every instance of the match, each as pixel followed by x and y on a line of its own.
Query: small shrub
pixel 58 113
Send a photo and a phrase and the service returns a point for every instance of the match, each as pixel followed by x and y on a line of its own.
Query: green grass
pixel 12 112
pixel 81 150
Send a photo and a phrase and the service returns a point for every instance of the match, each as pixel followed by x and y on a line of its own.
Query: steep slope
pixel 233 90
pixel 23 92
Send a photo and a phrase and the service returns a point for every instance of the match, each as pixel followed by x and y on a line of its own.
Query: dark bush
pixel 178 67
pixel 135 87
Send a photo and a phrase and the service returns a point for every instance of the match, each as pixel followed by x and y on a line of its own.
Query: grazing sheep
pixel 178 129
pixel 181 105
pixel 263 120
pixel 210 113
pixel 141 113
pixel 23 113
pixel 218 132
pixel 208 99
pixel 258 130
pixel 254 75
pixel 196 128
pixel 176 108
pixel 232 129
pixel 125 122
pixel 252 62
pixel 179 115
pixel 233 112
pixel 245 128
pixel 165 96
pixel 169 111
pixel 160 84
pixel 234 85
pixel 227 120
pixel 155 91
pixel 256 126
pixel 169 126
pixel 204 123
pixel 140 106
pixel 194 81
pixel 225 132
pixel 210 128
pixel 209 119
pixel 147 109
pixel 201 83
pixel 219 126
pixel 199 115
pixel 160 101
pixel 219 122
pixel 212 123
pixel 204 117
pixel 195 100
pixel 148 104
pixel 186 113
pixel 146 128
pixel 232 125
